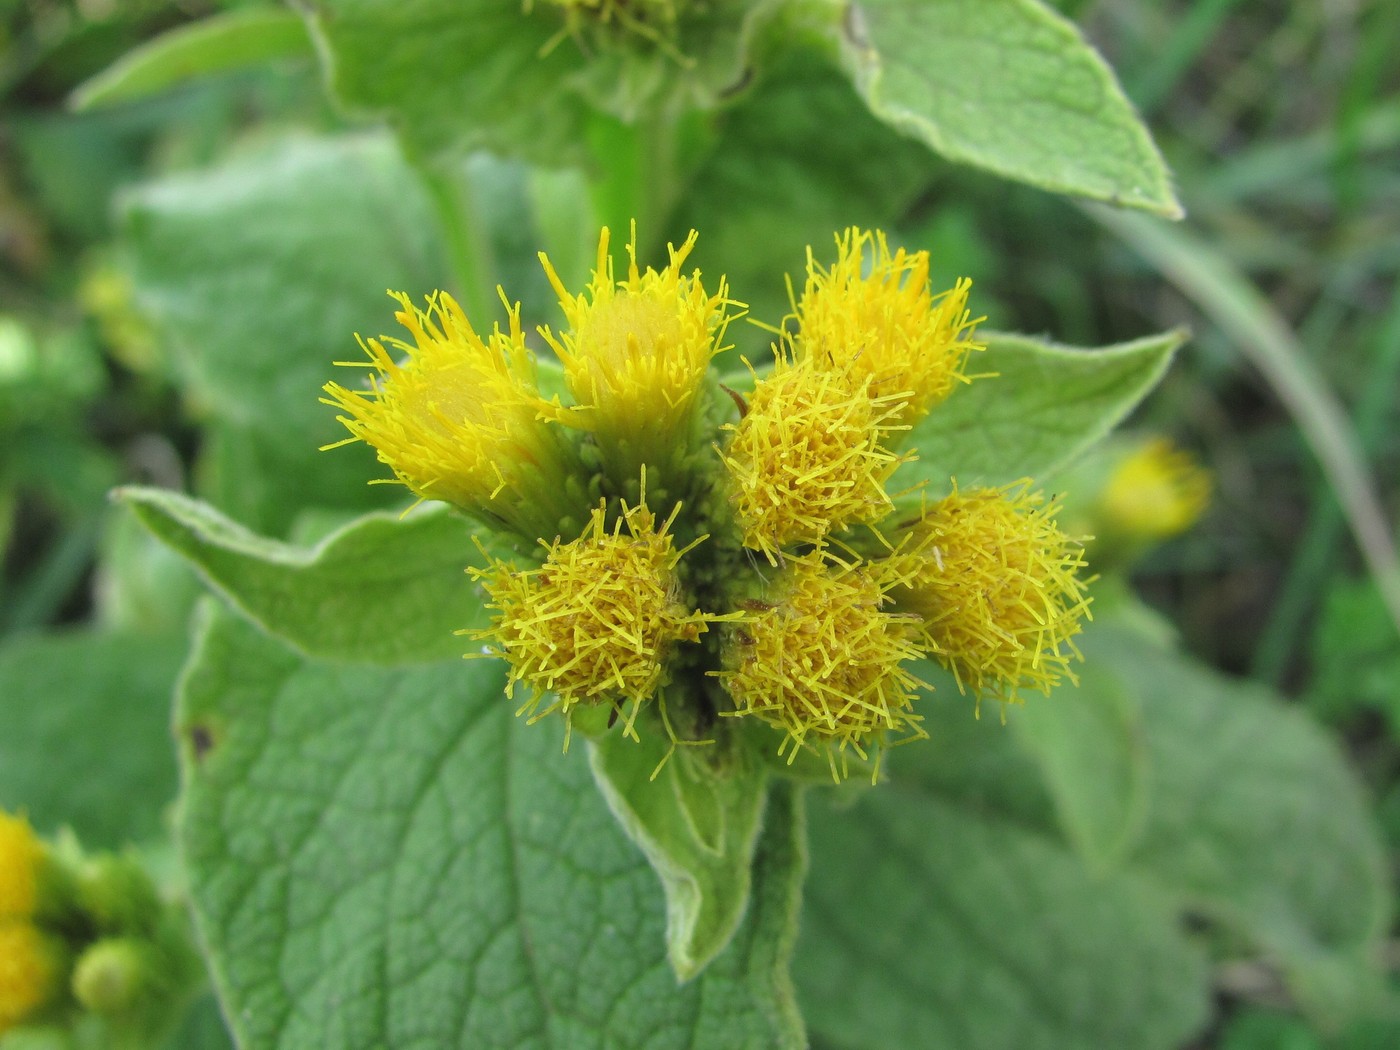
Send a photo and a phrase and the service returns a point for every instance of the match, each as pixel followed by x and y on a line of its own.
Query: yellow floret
pixel 873 312
pixel 596 623
pixel 30 972
pixel 997 584
pixel 1156 492
pixel 458 420
pixel 636 353
pixel 21 854
pixel 822 658
pixel 809 457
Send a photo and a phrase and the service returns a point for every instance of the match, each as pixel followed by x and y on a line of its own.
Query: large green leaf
pixel 455 75
pixel 697 820
pixel 234 40
pixel 86 739
pixel 1090 741
pixel 260 273
pixel 1010 86
pixel 389 858
pixel 1042 406
pixel 388 589
pixel 930 924
pixel 1255 820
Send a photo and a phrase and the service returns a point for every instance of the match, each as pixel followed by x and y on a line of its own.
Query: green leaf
pixel 697 822
pixel 389 858
pixel 1010 86
pixel 797 160
pixel 234 40
pixel 1256 820
pixel 1089 740
pixel 1046 405
pixel 260 273
pixel 386 589
pixel 1355 661
pixel 458 75
pixel 931 924
pixel 972 759
pixel 86 741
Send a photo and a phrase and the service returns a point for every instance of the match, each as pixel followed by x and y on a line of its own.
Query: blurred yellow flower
pixel 31 972
pixel 998 587
pixel 21 854
pixel 1155 492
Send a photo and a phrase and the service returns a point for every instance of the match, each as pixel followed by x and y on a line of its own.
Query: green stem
pixel 464 232
pixel 640 176
pixel 41 595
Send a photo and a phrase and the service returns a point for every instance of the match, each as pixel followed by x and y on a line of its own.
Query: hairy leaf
pixel 388 858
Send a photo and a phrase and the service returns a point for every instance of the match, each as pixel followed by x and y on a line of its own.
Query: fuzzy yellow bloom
pixel 21 855
pixel 31 972
pixel 873 312
pixel 809 456
pixel 997 584
pixel 458 420
pixel 1154 493
pixel 596 623
pixel 821 657
pixel 636 353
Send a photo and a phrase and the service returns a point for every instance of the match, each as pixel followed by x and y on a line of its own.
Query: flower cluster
pixel 782 523
pixel 86 936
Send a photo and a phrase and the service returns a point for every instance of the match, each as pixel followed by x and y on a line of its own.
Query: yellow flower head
pixel 996 582
pixel 636 353
pixel 458 420
pixel 31 972
pixel 822 658
pixel 596 623
pixel 21 855
pixel 1156 492
pixel 809 456
pixel 874 313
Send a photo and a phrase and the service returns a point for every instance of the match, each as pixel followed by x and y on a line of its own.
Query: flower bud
pixel 459 420
pixel 997 585
pixel 596 623
pixel 874 312
pixel 821 657
pixel 809 457
pixel 117 975
pixel 636 355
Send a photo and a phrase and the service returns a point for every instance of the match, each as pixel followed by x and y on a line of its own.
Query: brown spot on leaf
pixel 201 741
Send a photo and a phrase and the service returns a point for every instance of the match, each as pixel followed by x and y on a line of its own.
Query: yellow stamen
pixel 809 456
pixel 873 312
pixel 997 584
pixel 458 420
pixel 822 658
